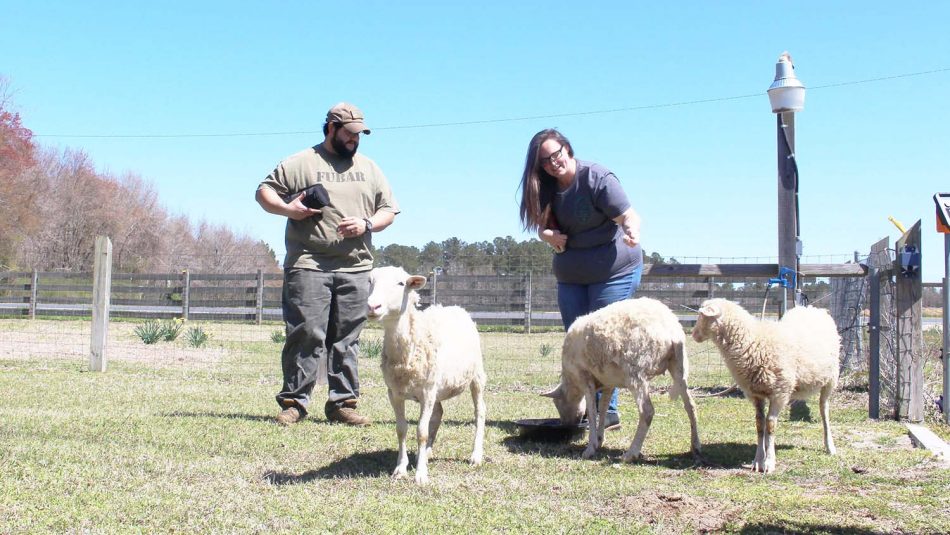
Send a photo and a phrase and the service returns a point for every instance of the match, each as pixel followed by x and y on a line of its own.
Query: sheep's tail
pixel 679 370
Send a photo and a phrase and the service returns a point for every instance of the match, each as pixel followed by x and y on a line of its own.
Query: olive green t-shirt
pixel 356 187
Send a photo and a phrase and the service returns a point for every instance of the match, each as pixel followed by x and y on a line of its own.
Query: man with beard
pixel 326 270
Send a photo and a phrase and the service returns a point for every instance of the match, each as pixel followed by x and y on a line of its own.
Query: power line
pixel 498 120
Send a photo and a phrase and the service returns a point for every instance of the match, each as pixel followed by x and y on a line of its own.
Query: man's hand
pixel 297 211
pixel 294 209
pixel 351 227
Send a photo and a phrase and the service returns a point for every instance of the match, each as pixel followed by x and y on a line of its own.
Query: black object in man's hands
pixel 316 196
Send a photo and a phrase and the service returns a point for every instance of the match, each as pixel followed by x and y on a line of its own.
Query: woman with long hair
pixel 580 209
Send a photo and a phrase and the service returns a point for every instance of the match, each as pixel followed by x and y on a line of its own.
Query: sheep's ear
pixel 558 392
pixel 710 311
pixel 416 282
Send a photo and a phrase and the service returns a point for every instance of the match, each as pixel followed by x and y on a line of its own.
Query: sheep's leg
pixel 593 442
pixel 434 423
pixel 759 404
pixel 422 437
pixel 402 428
pixel 478 399
pixel 824 403
pixel 681 388
pixel 690 407
pixel 602 415
pixel 776 404
pixel 645 406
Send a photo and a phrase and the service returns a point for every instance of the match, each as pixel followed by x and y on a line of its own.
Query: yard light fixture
pixel 787 95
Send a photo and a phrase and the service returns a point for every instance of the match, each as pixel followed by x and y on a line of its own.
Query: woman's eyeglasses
pixel 553 157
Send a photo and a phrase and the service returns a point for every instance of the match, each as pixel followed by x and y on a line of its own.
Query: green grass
pixel 189 445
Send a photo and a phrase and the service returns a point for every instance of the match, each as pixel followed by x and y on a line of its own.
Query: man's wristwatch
pixel 369 224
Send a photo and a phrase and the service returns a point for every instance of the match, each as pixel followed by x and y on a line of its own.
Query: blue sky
pixel 702 175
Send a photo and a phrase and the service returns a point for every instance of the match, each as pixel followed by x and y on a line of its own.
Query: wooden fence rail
pixel 491 299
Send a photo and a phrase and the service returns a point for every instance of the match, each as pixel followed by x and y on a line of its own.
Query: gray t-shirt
pixel 357 188
pixel 584 211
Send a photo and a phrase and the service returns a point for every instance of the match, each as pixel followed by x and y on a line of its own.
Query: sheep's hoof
pixel 475 459
pixel 588 453
pixel 399 472
pixel 422 478
pixel 763 467
pixel 631 457
pixel 699 459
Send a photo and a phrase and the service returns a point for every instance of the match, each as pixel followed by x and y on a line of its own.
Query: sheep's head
pixel 392 292
pixel 706 321
pixel 569 402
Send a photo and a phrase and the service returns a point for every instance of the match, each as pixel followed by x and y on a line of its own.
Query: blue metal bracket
pixel 785 279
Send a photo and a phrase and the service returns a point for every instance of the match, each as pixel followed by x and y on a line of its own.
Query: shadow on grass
pixel 802 527
pixel 732 455
pixel 798 411
pixel 611 453
pixel 370 464
pixel 724 456
pixel 715 391
pixel 505 425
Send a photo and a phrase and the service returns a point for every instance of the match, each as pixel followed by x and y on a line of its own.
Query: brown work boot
pixel 290 415
pixel 346 414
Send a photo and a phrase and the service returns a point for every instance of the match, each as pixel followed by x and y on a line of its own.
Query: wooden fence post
pixel 185 294
pixel 34 284
pixel 527 303
pixel 946 328
pixel 910 364
pixel 101 288
pixel 260 296
pixel 874 327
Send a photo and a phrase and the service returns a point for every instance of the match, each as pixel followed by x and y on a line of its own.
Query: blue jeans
pixel 576 300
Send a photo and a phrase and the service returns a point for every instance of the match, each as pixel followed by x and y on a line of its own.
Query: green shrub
pixel 149 332
pixel 196 336
pixel 545 349
pixel 371 347
pixel 278 336
pixel 170 329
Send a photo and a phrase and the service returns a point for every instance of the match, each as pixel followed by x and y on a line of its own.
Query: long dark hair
pixel 537 186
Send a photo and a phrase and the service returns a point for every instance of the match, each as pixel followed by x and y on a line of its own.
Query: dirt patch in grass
pixel 672 512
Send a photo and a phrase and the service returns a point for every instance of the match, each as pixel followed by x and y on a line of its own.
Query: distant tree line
pixel 53 204
pixel 501 256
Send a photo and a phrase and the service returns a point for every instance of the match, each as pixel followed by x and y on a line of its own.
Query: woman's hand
pixel 631 235
pixel 629 222
pixel 554 238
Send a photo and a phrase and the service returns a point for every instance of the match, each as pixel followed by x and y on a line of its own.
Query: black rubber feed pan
pixel 549 430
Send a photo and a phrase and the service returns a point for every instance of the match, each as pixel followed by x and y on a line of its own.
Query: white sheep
pixel 624 344
pixel 775 361
pixel 428 356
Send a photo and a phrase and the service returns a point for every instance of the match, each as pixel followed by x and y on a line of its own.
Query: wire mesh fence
pixel 240 313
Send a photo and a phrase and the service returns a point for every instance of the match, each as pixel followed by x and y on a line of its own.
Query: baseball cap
pixel 349 116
